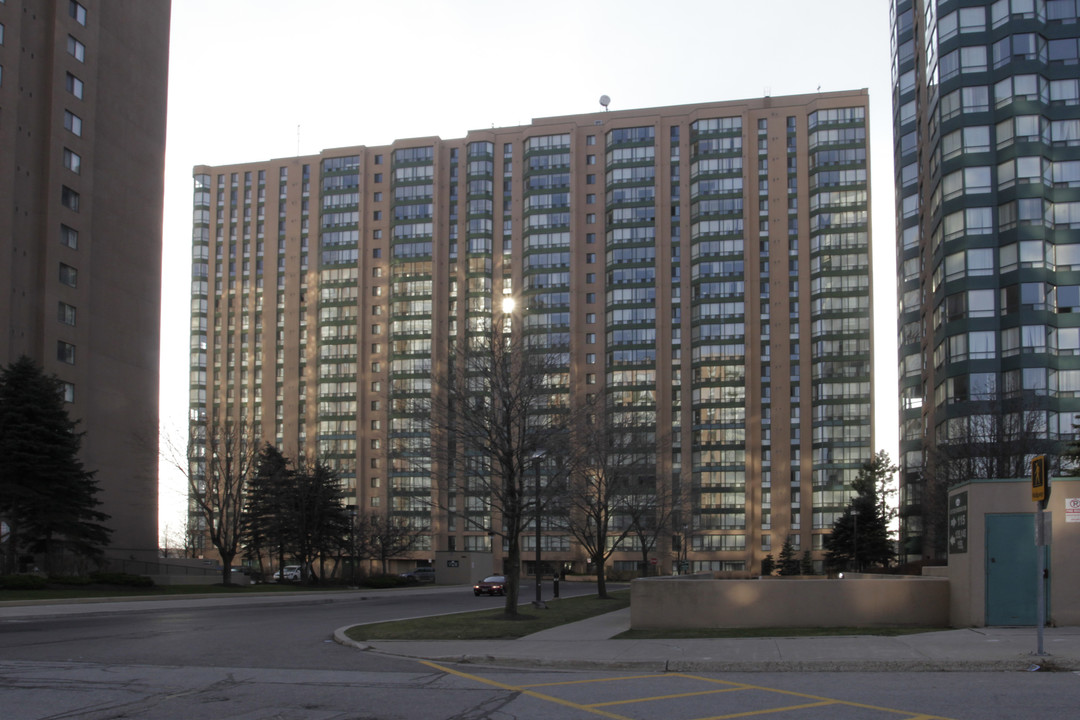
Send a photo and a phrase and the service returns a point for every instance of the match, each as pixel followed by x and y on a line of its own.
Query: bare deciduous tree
pixel 493 414
pixel 613 478
pixel 218 463
pixel 997 440
pixel 379 536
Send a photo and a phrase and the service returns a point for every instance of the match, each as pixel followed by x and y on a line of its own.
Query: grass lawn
pixel 493 624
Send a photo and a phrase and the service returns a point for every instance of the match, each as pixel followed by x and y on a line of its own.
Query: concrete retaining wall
pixel 866 601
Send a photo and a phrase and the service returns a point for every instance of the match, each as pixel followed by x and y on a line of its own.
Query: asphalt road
pixel 257 661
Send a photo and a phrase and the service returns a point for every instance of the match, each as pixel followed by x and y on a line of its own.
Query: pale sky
pixel 244 74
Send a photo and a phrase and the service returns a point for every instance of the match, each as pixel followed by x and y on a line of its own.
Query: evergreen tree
pixel 320 523
pixel 789 564
pixel 266 511
pixel 768 565
pixel 47 497
pixel 806 564
pixel 861 537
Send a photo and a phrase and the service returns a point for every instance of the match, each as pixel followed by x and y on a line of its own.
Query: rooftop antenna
pixel 298 140
pixel 605 101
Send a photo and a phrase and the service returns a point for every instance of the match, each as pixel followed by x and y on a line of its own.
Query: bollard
pixel 556 594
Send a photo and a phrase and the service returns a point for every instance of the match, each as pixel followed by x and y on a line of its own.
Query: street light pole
pixel 537 603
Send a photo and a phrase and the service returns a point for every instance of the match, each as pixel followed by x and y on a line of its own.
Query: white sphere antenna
pixel 605 101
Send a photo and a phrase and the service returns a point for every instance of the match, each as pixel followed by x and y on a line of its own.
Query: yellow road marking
pixel 768 711
pixel 665 697
pixel 594 680
pixel 594 709
pixel 530 693
pixel 908 713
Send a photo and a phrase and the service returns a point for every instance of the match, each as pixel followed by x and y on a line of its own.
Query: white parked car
pixel 292 573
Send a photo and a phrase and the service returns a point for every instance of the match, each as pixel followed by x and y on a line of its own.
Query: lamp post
pixel 537 457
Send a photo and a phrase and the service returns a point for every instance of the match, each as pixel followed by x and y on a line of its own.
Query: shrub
pixel 382 581
pixel 69 580
pixel 124 579
pixel 22 582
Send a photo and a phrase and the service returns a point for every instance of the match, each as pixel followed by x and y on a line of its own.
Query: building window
pixel 590 298
pixel 72 161
pixel 376 235
pixel 590 238
pixel 590 159
pixel 69 198
pixel 69 237
pixel 590 198
pixel 66 313
pixel 590 358
pixel 377 197
pixel 590 139
pixel 590 218
pixel 590 338
pixel 377 215
pixel 69 392
pixel 78 12
pixel 74 86
pixel 590 277
pixel 590 317
pixel 590 179
pixel 378 177
pixel 76 49
pixel 68 275
pixel 65 352
pixel 72 123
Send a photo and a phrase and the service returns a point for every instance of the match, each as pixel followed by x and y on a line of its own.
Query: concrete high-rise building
pixel 987 128
pixel 82 142
pixel 708 265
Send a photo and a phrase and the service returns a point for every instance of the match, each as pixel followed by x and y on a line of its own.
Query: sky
pixel 252 80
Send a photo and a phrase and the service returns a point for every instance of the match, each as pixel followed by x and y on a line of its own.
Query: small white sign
pixel 1072 510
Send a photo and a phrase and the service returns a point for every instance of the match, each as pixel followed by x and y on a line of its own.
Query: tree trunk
pixel 226 568
pixel 512 571
pixel 601 579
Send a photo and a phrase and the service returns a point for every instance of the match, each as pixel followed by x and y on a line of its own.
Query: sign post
pixel 1040 493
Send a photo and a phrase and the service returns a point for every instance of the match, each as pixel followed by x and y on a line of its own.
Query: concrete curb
pixel 342 639
pixel 721 666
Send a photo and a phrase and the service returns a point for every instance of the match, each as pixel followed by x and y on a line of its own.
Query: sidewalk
pixel 588 644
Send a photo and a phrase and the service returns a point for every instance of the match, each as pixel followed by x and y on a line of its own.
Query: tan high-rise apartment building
pixel 707 265
pixel 82 144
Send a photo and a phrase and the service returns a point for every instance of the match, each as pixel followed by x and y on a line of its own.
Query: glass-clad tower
pixel 706 267
pixel 986 101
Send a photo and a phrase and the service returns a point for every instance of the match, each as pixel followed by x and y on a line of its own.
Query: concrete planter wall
pixel 865 601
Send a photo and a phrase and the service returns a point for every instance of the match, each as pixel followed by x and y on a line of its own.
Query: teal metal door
pixel 1010 569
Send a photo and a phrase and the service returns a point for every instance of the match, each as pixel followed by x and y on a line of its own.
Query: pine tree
pixel 321 525
pixel 768 565
pixel 861 537
pixel 789 564
pixel 266 510
pixel 806 564
pixel 47 497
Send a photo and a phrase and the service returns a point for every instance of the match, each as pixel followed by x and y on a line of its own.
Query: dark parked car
pixel 491 585
pixel 419 575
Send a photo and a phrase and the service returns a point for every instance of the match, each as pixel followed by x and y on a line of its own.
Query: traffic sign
pixel 1040 483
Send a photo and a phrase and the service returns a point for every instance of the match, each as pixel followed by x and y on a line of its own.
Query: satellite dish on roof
pixel 605 101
